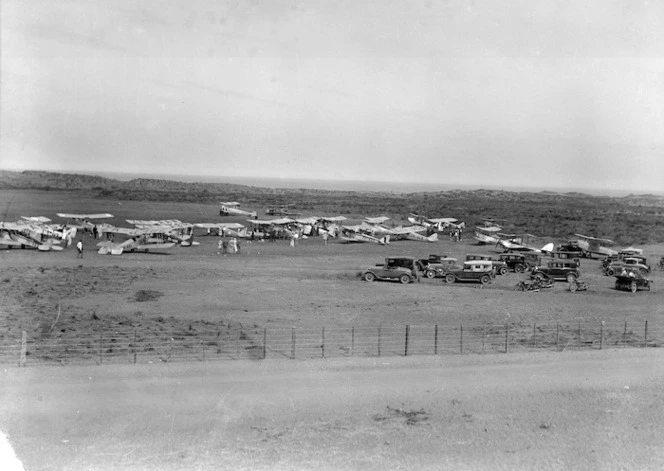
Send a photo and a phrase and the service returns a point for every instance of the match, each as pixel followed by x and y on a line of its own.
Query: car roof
pixel 400 257
pixel 478 262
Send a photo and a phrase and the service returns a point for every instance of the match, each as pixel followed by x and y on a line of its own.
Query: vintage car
pixel 633 282
pixel 439 268
pixel 516 261
pixel 403 269
pixel 478 271
pixel 500 265
pixel 423 263
pixel 628 264
pixel 558 270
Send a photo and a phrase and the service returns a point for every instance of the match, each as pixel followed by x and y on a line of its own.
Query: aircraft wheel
pixel 503 271
pixel 404 279
pixel 430 274
pixel 571 278
pixel 449 278
pixel 632 287
pixel 485 279
pixel 519 268
pixel 369 277
pixel 610 272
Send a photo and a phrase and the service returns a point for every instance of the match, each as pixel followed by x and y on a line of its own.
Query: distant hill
pixel 633 219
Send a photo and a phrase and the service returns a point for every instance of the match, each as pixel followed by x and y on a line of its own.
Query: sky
pixel 526 93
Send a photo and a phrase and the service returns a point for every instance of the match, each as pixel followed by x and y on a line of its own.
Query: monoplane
pixel 594 245
pixel 356 234
pixel 438 224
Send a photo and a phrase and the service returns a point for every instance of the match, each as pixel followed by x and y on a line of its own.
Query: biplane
pixel 143 240
pixel 232 208
pixel 594 245
pixel 515 243
pixel 176 230
pixel 437 224
pixel 28 233
pixel 356 234
pixel 83 221
pixel 283 210
pixel 487 234
pixel 413 233
pixel 223 228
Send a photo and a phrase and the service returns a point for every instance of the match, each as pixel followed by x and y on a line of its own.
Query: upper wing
pixel 38 219
pixel 376 220
pixel 85 216
pixel 333 219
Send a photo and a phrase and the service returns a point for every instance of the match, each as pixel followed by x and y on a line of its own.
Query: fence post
pixel 579 335
pixel 534 334
pixel 293 343
pixel 24 349
pixel 435 340
pixel 625 335
pixel 378 341
pixel 601 335
pixel 645 335
pixel 557 336
pixel 134 345
pixel 507 336
pixel 323 344
pixel 237 344
pixel 461 339
pixel 101 340
pixel 264 342
pixel 352 341
pixel 484 339
pixel 405 350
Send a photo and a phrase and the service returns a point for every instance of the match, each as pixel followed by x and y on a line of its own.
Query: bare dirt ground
pixel 573 410
pixel 332 414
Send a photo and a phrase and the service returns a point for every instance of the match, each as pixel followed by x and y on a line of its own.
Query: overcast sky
pixel 548 93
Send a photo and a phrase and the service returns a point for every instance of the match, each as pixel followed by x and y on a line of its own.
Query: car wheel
pixel 503 271
pixel 519 268
pixel 610 272
pixel 369 276
pixel 632 286
pixel 644 271
pixel 573 286
pixel 571 278
pixel 485 279
pixel 430 274
pixel 404 279
pixel 449 278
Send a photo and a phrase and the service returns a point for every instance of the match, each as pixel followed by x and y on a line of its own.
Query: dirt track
pixel 587 410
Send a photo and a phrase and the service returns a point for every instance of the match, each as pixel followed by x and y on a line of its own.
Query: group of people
pixel 231 245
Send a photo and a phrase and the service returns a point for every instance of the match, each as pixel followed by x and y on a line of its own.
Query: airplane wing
pixel 220 225
pixel 598 239
pixel 334 219
pixel 85 216
pixel 163 222
pixel 442 220
pixel 37 219
pixel 230 203
pixel 125 230
pixel 310 221
pixel 488 229
pixel 377 220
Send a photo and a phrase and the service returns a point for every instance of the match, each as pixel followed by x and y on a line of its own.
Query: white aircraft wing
pixel 163 222
pixel 219 225
pixel 598 239
pixel 37 219
pixel 310 220
pixel 442 220
pixel 377 220
pixel 334 218
pixel 85 216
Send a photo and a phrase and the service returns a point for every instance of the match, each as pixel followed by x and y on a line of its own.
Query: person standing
pixel 220 246
pixel 79 249
pixel 237 244
pixel 325 236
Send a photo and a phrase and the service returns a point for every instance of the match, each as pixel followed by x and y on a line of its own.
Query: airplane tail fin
pixel 548 247
pixel 385 240
pixel 116 251
pixel 433 237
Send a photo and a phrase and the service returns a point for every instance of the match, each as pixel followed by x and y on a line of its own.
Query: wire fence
pixel 130 346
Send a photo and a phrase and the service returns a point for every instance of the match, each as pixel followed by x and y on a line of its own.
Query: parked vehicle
pixel 627 264
pixel 632 282
pixel 403 269
pixel 424 263
pixel 534 284
pixel 477 271
pixel 558 270
pixel 442 266
pixel 515 261
pixel 500 265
